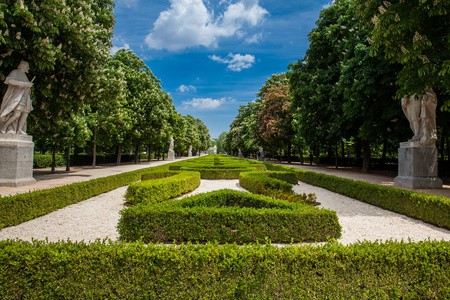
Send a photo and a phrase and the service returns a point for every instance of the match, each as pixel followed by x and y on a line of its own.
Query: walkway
pixel 97 217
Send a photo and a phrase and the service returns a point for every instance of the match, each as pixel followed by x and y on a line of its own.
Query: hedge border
pixel 228 216
pixel 428 208
pixel 162 186
pixel 24 207
pixel 65 270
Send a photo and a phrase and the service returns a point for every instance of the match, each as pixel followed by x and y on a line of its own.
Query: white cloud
pixel 236 62
pixel 254 39
pixel 114 49
pixel 184 88
pixel 325 6
pixel 205 103
pixel 189 23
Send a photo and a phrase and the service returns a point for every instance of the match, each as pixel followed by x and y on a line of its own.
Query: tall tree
pixel 66 44
pixel 275 119
pixel 415 34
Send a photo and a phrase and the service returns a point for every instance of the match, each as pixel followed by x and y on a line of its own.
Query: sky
pixel 212 56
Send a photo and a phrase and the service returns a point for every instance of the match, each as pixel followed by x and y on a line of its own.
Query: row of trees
pixel 344 93
pixel 83 95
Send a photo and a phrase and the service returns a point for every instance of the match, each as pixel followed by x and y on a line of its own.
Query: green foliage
pixel 161 186
pixel 66 270
pixel 257 182
pixel 227 216
pixel 45 160
pixel 275 184
pixel 432 209
pixel 415 34
pixel 65 43
pixel 218 166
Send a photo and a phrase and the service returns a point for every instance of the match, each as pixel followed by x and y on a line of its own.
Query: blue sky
pixel 213 56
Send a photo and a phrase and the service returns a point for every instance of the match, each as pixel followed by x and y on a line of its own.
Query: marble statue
pixel 260 154
pixel 421 114
pixel 171 153
pixel 171 144
pixel 16 102
pixel 190 151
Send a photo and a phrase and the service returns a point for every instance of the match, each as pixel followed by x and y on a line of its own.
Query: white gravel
pixel 97 217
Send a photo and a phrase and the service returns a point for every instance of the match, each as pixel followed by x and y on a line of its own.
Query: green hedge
pixel 162 186
pixel 275 184
pixel 45 160
pixel 432 209
pixel 68 270
pixel 258 182
pixel 23 207
pixel 228 216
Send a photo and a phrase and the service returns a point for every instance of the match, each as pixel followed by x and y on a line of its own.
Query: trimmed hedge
pixel 65 270
pixel 23 207
pixel 275 184
pixel 228 216
pixel 45 160
pixel 258 182
pixel 216 166
pixel 432 209
pixel 162 186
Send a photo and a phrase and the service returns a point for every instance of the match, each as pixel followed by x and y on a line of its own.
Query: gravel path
pixel 362 221
pixel 97 217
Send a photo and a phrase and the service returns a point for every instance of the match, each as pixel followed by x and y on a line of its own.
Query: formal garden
pixel 226 243
pixel 346 102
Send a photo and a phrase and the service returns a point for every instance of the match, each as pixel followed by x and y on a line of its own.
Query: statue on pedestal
pixel 421 114
pixel 171 153
pixel 418 158
pixel 16 102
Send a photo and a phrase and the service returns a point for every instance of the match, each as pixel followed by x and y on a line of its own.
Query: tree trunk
pixel 358 148
pixel 336 156
pixel 76 150
pixel 119 154
pixel 383 156
pixel 53 159
pixel 442 147
pixel 289 153
pixel 317 154
pixel 149 152
pixel 343 153
pixel 94 149
pixel 136 153
pixel 300 153
pixel 68 159
pixel 366 158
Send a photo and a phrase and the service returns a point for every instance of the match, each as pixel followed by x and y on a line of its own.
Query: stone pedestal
pixel 171 155
pixel 16 159
pixel 190 154
pixel 417 166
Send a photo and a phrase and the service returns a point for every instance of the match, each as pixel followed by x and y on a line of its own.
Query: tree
pixel 275 118
pixel 66 44
pixel 143 97
pixel 109 118
pixel 415 34
pixel 274 80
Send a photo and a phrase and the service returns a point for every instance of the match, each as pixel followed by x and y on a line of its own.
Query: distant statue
pixel 17 102
pixel 171 144
pixel 421 114
pixel 260 154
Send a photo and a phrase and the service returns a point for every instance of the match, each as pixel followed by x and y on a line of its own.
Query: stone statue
pixel 171 144
pixel 17 102
pixel 260 153
pixel 421 114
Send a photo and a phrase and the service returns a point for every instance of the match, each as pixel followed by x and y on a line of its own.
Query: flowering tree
pixel 275 118
pixel 66 44
pixel 415 34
